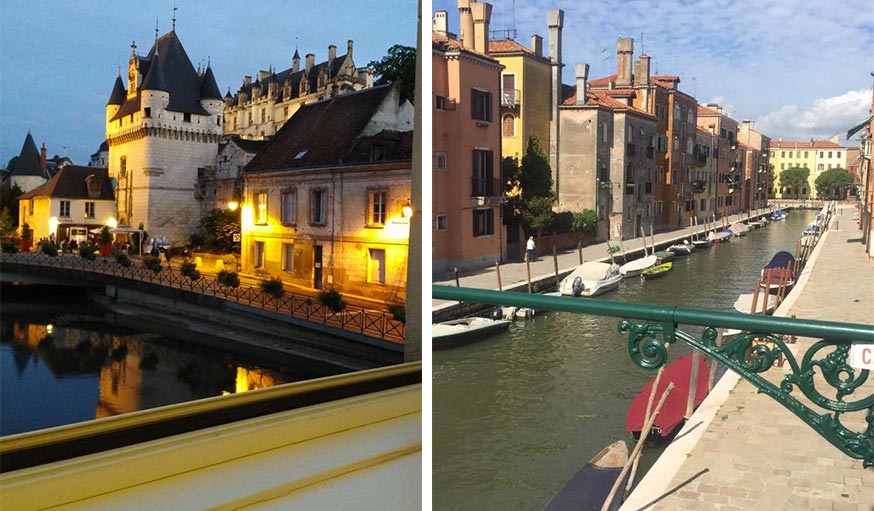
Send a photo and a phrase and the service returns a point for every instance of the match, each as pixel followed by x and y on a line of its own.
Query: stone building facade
pixel 163 133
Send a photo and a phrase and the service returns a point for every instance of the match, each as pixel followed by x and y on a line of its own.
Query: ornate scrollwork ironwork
pixel 750 354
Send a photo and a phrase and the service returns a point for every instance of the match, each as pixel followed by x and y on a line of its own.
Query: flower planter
pixel 105 250
pixel 24 245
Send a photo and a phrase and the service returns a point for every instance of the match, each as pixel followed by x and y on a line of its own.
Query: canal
pixel 63 360
pixel 516 415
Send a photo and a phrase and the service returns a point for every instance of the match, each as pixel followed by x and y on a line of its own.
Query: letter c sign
pixel 862 356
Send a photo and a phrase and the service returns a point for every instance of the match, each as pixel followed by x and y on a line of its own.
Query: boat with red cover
pixel 672 413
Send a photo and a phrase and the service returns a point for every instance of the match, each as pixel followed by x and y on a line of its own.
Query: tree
pixel 216 230
pixel 535 181
pixel 9 200
pixel 833 182
pixel 398 64
pixel 794 178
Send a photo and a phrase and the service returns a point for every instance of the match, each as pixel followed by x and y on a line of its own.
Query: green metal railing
pixel 749 354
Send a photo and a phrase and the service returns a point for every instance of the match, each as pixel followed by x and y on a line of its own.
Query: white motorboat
pixel 720 237
pixel 591 279
pixel 681 249
pixel 464 329
pixel 702 243
pixel 744 303
pixel 739 228
pixel 636 267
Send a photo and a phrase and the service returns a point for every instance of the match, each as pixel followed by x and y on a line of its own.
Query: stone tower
pixel 163 133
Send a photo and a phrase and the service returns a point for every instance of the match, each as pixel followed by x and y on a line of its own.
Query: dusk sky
pixel 799 68
pixel 58 60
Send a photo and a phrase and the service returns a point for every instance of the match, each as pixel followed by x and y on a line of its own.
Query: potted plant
pixel 105 241
pixel 26 240
pixel 273 287
pixel 332 299
pixel 228 278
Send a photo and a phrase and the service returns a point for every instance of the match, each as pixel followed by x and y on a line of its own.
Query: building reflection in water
pixel 134 371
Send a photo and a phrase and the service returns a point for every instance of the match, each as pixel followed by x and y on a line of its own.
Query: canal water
pixel 517 414
pixel 61 363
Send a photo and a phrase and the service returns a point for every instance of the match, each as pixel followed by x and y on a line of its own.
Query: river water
pixel 517 414
pixel 61 363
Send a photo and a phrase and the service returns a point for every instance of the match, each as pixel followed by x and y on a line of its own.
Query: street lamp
pixel 407 209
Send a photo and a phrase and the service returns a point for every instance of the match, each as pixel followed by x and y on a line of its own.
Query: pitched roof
pixel 293 78
pixel 155 77
pixel 509 46
pixel 180 78
pixel 208 86
pixel 805 144
pixel 247 145
pixel 29 160
pixel 321 133
pixel 604 98
pixel 118 92
pixel 442 42
pixel 703 110
pixel 70 183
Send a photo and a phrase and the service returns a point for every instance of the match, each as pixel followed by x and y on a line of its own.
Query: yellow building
pixel 525 94
pixel 815 155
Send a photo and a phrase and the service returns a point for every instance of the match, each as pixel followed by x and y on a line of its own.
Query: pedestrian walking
pixel 529 249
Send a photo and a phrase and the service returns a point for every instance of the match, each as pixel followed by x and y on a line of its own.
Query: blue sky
pixel 59 59
pixel 799 68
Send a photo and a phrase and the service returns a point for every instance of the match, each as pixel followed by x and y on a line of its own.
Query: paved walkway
pixel 755 454
pixel 514 275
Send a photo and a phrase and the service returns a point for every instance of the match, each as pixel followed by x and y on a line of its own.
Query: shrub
pixel 187 268
pixel 586 221
pixel 153 263
pixel 48 248
pixel 398 311
pixel 228 278
pixel 88 251
pixel 9 246
pixel 105 236
pixel 273 287
pixel 332 299
pixel 195 275
pixel 562 223
pixel 122 259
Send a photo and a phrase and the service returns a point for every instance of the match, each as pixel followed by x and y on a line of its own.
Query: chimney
pixel 582 72
pixel 332 53
pixel 482 15
pixel 554 22
pixel 349 44
pixel 441 22
pixel 624 55
pixel 42 158
pixel 247 80
pixel 537 45
pixel 641 70
pixel 465 31
pixel 262 74
pixel 311 59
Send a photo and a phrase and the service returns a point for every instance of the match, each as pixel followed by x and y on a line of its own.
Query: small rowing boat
pixel 590 487
pixel 657 271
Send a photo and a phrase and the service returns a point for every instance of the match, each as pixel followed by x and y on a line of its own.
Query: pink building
pixel 467 188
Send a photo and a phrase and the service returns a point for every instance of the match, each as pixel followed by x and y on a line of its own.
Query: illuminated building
pixel 324 202
pixel 71 203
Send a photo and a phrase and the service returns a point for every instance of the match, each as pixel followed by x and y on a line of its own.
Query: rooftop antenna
pixel 174 16
pixel 604 60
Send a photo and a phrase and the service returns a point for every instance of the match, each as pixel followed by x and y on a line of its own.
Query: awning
pixel 125 230
pixel 858 127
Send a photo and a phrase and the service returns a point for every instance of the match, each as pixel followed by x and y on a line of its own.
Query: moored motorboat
pixel 634 268
pixel 657 271
pixel 723 236
pixel 739 229
pixel 465 329
pixel 591 279
pixel 681 249
pixel 702 243
pixel 664 256
pixel 590 487
pixel 779 215
pixel 673 411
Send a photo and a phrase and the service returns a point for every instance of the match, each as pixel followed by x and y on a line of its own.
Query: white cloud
pixel 821 119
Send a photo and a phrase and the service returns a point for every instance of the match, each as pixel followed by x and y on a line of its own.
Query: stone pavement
pixel 514 275
pixel 755 454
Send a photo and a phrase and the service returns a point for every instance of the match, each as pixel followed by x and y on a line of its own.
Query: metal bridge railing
pixel 376 324
pixel 823 373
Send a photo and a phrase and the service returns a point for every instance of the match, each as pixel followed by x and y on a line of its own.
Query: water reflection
pixel 75 370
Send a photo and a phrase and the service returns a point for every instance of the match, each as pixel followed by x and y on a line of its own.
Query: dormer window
pixel 93 184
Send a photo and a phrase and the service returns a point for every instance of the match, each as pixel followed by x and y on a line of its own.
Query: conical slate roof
pixel 155 77
pixel 118 92
pixel 28 163
pixel 209 88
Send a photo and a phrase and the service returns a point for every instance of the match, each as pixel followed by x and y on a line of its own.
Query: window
pixel 261 208
pixel 186 117
pixel 288 257
pixel 481 105
pixel 629 134
pixel 790 154
pixel 689 146
pixel 440 161
pixel 376 265
pixel 482 182
pixel 250 117
pixel 147 112
pixel 822 154
pixel 782 166
pixel 122 166
pixel 376 207
pixel 258 257
pixel 65 208
pixel 722 133
pixel 263 114
pixel 317 207
pixel 839 154
pixel 508 89
pixel 483 222
pixel 829 165
pixel 676 142
pixel 440 102
pixel 508 126
pixel 442 223
pixel 89 210
pixel 677 112
pixel 285 112
pixel 703 205
pixel 603 129
pixel 805 154
pixel 690 118
pixel 603 176
pixel 829 154
pixel 289 207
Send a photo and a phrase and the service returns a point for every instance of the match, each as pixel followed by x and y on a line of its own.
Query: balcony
pixel 485 187
pixel 511 97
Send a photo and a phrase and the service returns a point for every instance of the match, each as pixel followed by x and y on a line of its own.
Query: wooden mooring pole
pixel 498 272
pixel 528 271
pixel 555 262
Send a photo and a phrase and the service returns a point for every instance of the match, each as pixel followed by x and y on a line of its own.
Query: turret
pixel 208 86
pixel 229 100
pixel 295 66
pixel 154 92
pixel 116 98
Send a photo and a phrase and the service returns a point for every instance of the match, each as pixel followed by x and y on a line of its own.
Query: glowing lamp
pixel 53 224
pixel 233 205
pixel 112 223
pixel 407 210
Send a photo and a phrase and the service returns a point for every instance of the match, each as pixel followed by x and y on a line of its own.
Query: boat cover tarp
pixel 587 490
pixel 674 409
pixel 592 271
pixel 638 264
pixel 781 259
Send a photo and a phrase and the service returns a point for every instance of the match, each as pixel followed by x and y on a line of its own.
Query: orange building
pixel 728 163
pixel 466 214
